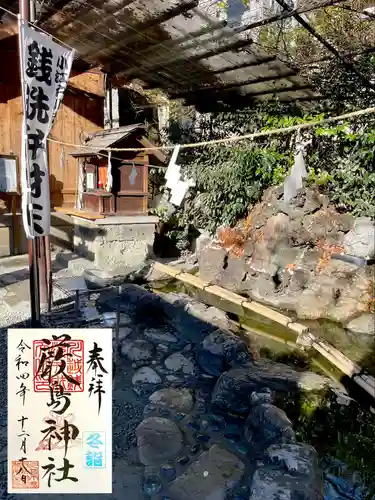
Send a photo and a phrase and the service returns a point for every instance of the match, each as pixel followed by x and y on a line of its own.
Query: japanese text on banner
pixel 45 69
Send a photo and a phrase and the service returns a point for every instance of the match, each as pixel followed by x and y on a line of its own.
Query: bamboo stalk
pixel 335 357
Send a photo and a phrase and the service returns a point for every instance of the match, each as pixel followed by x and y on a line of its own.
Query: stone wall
pixel 115 242
pixel 282 256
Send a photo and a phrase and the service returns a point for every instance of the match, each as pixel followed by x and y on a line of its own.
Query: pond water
pixel 344 435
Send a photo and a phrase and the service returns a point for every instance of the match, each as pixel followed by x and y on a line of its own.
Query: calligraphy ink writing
pixel 95 363
pixel 35 142
pixel 36 174
pixel 39 63
pixel 36 217
pixel 67 432
pixel 38 105
pixel 64 469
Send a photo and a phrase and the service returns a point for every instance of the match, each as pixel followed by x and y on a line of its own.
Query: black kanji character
pixel 22 420
pixel 35 142
pixel 97 390
pixel 36 217
pixel 39 63
pixel 95 360
pixel 55 354
pixel 61 398
pixel 37 105
pixel 22 392
pixel 22 346
pixel 23 445
pixel 37 175
pixel 20 361
pixel 48 468
pixel 68 432
pixel 64 469
pixel 61 70
pixel 23 466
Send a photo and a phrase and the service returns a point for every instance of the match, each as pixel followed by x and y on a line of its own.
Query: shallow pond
pixel 343 435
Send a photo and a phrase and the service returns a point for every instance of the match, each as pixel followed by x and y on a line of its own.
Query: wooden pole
pixel 24 8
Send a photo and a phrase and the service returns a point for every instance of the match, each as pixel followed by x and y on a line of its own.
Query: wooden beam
pixel 139 30
pixel 145 68
pixel 294 88
pixel 233 85
pixel 245 65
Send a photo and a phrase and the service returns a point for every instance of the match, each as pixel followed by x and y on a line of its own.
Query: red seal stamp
pixel 25 474
pixel 58 363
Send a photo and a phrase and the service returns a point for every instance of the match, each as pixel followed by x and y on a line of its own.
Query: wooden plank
pixel 225 294
pixel 79 213
pixel 192 280
pixel 298 328
pixel 266 311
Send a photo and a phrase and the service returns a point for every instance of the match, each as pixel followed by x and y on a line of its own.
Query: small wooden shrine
pixel 116 183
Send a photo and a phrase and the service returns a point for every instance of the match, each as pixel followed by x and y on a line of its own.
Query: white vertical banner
pixel 60 411
pixel 45 69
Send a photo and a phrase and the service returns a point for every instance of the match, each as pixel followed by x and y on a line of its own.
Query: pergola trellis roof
pixel 179 46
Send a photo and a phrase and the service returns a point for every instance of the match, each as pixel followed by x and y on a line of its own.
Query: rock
pixel 364 324
pixel 326 224
pixel 202 242
pixel 267 425
pixel 316 301
pixel 290 471
pixel 295 458
pixel 211 263
pixel 353 300
pixel 233 273
pixel 156 335
pixel 146 375
pixel 233 390
pixel 222 350
pixel 178 362
pixel 275 231
pixel 158 440
pixel 211 315
pixel 262 260
pixel 137 350
pixel 272 484
pixel 360 240
pixel 176 400
pixel 210 477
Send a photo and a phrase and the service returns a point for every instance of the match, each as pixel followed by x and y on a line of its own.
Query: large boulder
pixel 268 425
pixel 210 477
pixel 220 351
pixel 211 261
pixel 232 392
pixel 158 440
pixel 360 240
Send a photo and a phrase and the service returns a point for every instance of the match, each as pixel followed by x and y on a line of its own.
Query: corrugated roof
pixel 106 139
pixel 189 48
